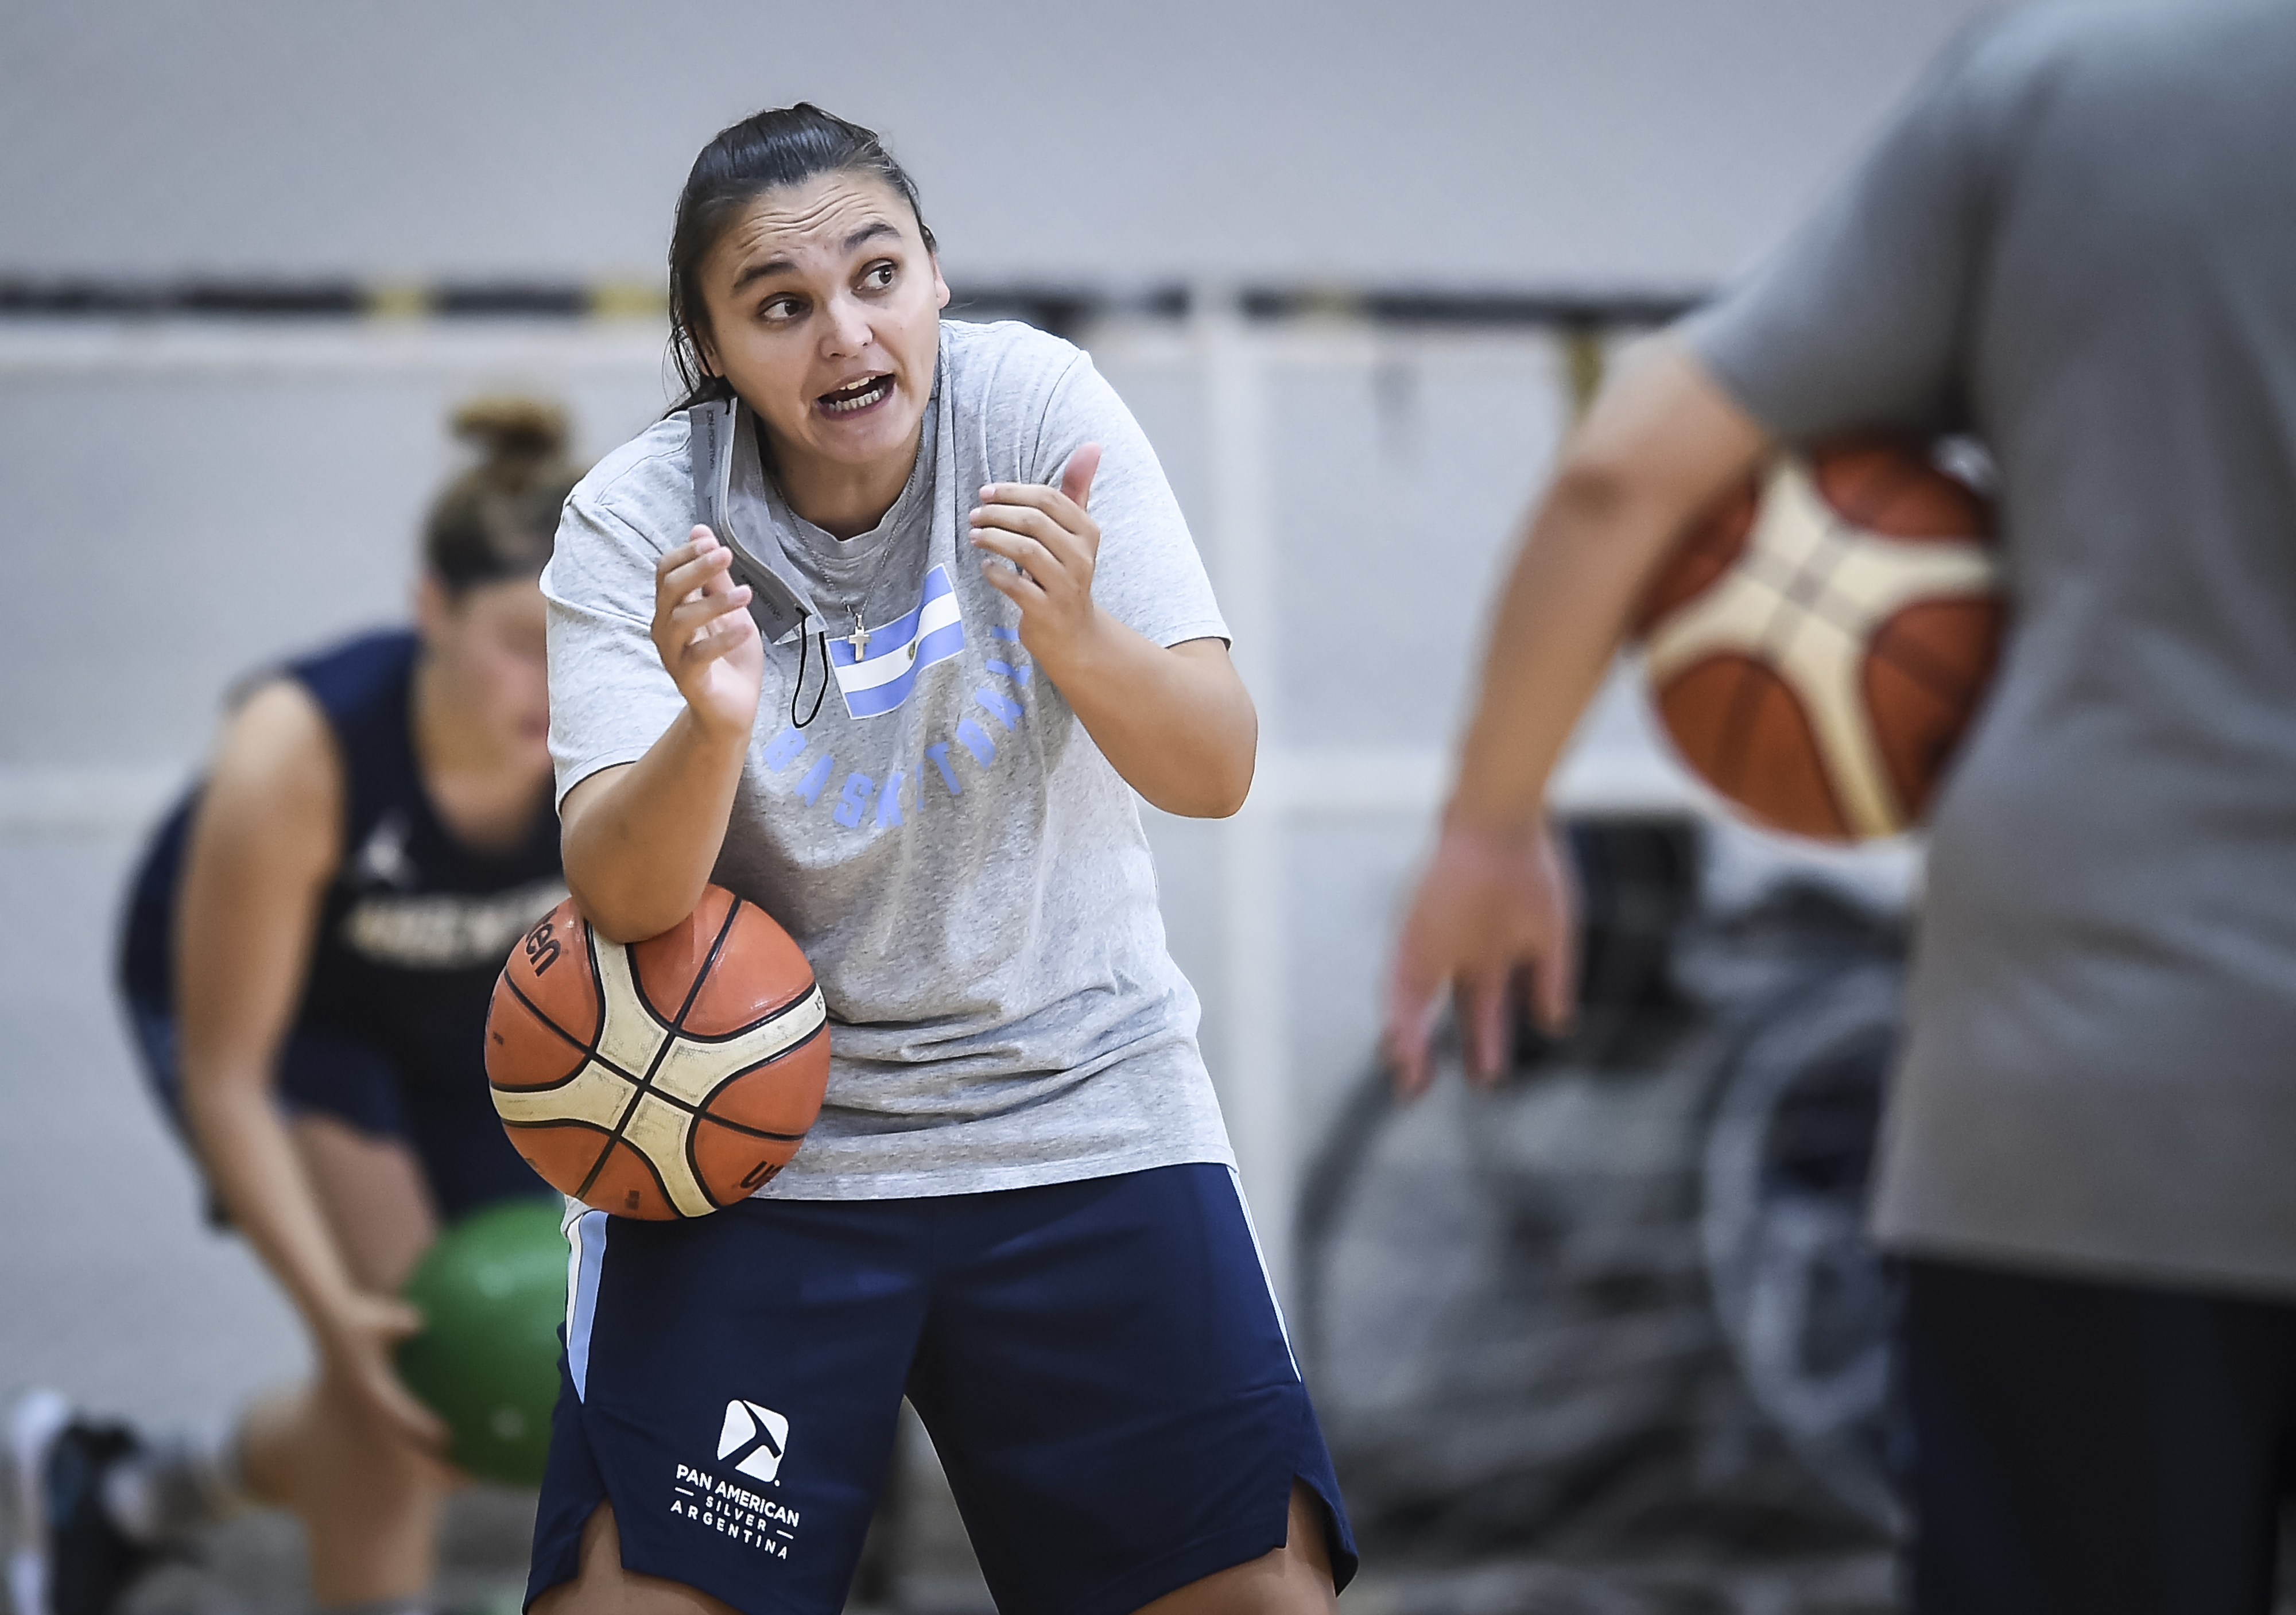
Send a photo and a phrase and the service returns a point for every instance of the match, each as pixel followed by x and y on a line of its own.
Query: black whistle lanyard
pixel 802 638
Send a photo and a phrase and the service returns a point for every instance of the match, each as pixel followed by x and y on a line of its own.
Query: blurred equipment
pixel 665 1079
pixel 492 1293
pixel 1621 1304
pixel 1818 643
pixel 67 1556
pixel 1800 1292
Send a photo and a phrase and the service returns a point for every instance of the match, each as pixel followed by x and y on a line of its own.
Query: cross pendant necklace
pixel 860 638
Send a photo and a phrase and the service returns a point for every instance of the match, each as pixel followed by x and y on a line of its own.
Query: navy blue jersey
pixel 416 924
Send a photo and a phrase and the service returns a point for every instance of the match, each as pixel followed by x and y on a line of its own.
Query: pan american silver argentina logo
pixel 753 1440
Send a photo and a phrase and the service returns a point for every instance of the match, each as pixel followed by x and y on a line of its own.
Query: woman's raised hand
pixel 705 635
pixel 1045 533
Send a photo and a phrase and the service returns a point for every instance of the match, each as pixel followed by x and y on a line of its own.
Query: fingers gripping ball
pixel 662 1078
pixel 1818 643
pixel 492 1293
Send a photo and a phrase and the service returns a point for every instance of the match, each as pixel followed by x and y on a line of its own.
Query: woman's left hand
pixel 1045 533
pixel 1174 721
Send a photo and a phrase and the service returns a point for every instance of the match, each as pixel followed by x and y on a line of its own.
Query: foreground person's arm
pixel 640 840
pixel 1659 445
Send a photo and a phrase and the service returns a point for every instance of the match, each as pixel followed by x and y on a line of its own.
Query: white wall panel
pixel 1460 142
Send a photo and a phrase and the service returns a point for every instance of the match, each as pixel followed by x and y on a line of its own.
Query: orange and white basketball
pixel 662 1078
pixel 1817 645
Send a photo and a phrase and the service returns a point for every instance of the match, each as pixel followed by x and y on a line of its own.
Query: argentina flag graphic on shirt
pixel 879 677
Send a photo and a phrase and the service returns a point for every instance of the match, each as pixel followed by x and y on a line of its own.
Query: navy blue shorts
pixel 2089 1445
pixel 467 1159
pixel 1101 1365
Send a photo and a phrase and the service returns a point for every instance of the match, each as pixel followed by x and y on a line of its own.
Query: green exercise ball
pixel 492 1293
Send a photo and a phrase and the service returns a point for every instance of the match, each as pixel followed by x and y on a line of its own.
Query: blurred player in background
pixel 310 946
pixel 2078 242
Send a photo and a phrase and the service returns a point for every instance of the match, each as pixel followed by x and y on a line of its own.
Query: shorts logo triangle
pixel 759 1433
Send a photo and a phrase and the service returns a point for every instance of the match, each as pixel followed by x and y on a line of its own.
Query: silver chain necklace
pixel 859 638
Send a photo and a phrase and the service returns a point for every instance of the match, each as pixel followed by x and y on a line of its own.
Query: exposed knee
pixel 312 1450
pixel 1295 1579
pixel 602 1587
pixel 1306 1581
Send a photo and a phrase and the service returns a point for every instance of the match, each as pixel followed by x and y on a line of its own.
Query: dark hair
pixel 765 151
pixel 498 517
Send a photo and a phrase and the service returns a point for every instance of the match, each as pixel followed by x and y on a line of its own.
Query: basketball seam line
pixel 693 989
pixel 1737 731
pixel 638 1090
pixel 738 1033
pixel 645 1161
pixel 725 1121
pixel 735 1127
pixel 1929 672
pixel 668 1098
pixel 1914 661
pixel 1820 580
pixel 1932 673
pixel 687 1106
pixel 1896 478
pixel 1821 600
pixel 589 1050
pixel 590 1054
pixel 644 1085
pixel 1821 603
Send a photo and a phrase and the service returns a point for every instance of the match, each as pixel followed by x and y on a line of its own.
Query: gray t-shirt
pixel 2080 242
pixel 963 868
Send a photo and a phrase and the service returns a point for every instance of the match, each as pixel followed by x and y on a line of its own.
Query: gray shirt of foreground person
pixel 963 868
pixel 2080 242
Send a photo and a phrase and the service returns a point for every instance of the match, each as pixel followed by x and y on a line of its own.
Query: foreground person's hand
pixel 704 633
pixel 1491 906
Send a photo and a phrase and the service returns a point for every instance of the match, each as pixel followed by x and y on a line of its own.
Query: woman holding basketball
pixel 310 947
pixel 1018 1206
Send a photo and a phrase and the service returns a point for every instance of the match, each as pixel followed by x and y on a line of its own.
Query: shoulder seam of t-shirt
pixel 2011 126
pixel 1966 74
pixel 1036 469
pixel 602 613
pixel 1001 339
pixel 597 498
pixel 607 513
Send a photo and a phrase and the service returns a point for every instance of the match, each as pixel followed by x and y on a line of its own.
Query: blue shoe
pixel 69 1558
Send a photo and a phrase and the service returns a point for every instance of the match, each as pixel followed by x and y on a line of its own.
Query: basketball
pixel 662 1078
pixel 1817 645
pixel 492 1293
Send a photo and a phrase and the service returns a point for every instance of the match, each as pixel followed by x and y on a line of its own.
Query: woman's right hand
pixel 707 639
pixel 641 838
pixel 356 1365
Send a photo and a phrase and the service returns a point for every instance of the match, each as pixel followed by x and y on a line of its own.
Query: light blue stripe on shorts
pixel 585 1241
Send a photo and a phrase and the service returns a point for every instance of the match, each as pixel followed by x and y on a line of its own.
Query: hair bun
pixel 510 427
